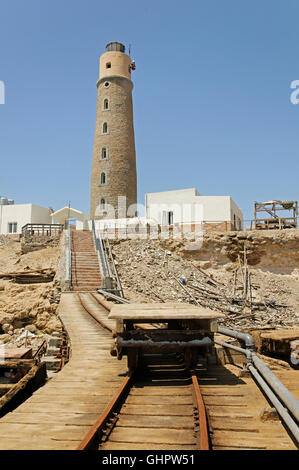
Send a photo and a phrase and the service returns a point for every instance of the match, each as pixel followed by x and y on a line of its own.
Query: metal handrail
pixel 114 269
pixel 104 268
pixel 68 276
pixel 42 228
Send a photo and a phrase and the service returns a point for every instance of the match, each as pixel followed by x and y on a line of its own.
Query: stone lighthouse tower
pixel 113 176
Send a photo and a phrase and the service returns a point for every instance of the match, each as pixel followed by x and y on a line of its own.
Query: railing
pixel 103 263
pixel 279 223
pixel 110 278
pixel 45 230
pixel 68 259
pixel 286 404
pixel 112 267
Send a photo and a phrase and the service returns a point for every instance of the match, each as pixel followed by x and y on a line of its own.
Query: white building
pixel 14 216
pixel 73 216
pixel 187 206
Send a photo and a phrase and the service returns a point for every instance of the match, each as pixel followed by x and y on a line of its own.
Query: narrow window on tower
pixel 108 65
pixel 103 178
pixel 104 153
pixel 106 103
pixel 105 128
pixel 103 204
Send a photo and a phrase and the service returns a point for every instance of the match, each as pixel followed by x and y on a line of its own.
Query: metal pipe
pixel 288 420
pixel 284 394
pixel 246 337
pixel 114 297
pixel 246 352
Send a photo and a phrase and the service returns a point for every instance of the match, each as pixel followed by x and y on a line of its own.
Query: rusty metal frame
pixel 203 424
pixel 103 325
pixel 99 425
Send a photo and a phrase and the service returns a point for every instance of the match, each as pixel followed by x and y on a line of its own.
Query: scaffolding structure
pixel 276 222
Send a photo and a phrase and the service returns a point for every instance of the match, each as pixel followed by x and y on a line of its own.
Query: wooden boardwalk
pixel 155 415
pixel 58 415
pixel 234 406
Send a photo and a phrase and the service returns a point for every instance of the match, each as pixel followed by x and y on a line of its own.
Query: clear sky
pixel 211 96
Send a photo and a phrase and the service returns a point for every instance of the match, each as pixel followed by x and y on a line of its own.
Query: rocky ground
pixel 27 311
pixel 151 270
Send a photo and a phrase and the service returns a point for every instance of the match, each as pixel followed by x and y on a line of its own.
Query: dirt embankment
pixel 26 301
pixel 269 250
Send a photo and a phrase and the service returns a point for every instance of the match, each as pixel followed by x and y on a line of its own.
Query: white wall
pixel 189 207
pixel 22 214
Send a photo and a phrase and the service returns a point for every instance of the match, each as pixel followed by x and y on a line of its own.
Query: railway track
pixel 164 406
pixel 59 414
pixel 158 407
pixel 94 403
pixel 160 394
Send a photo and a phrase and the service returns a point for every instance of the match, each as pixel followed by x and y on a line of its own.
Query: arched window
pixel 106 103
pixel 103 203
pixel 108 65
pixel 103 178
pixel 104 153
pixel 105 128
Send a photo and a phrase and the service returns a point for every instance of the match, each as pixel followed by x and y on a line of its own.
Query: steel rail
pixel 102 302
pixel 203 427
pixel 99 425
pixel 88 310
pixel 101 422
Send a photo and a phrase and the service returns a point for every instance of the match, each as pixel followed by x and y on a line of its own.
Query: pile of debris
pixel 150 273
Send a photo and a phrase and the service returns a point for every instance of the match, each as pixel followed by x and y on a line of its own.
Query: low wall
pixel 273 250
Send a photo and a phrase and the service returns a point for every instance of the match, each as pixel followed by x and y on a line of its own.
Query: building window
pixel 167 218
pixel 12 227
pixel 107 84
pixel 104 154
pixel 105 128
pixel 103 178
pixel 106 103
pixel 108 65
pixel 103 204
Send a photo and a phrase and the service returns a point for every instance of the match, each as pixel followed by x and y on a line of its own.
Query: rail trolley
pixel 158 328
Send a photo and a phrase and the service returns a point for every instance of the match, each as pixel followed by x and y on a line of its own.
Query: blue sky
pixel 211 96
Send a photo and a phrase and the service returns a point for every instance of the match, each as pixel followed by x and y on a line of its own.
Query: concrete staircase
pixel 85 265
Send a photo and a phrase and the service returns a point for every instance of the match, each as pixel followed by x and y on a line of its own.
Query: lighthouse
pixel 113 175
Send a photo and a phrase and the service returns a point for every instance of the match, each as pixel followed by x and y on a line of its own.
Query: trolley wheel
pixel 190 357
pixel 133 357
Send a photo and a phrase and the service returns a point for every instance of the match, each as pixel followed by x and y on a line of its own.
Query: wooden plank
pixel 140 421
pixel 249 439
pixel 136 446
pixel 178 410
pixel 176 391
pixel 24 443
pixel 149 435
pixel 57 432
pixel 159 400
pixel 161 311
pixel 78 419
